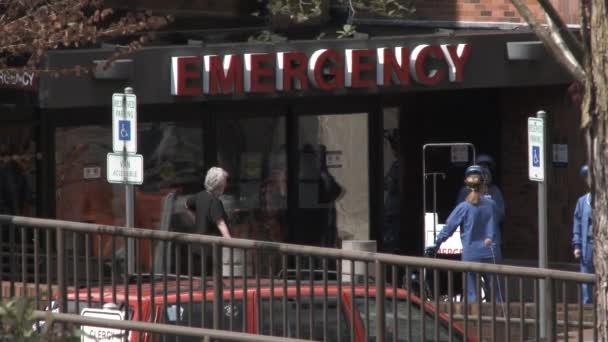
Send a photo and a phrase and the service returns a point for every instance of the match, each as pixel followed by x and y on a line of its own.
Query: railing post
pixel 380 301
pixel 63 301
pixel 551 316
pixel 217 286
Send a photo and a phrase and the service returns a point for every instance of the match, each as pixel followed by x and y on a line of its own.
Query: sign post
pixel 537 162
pixel 124 166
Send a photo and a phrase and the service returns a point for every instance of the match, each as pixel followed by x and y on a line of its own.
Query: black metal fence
pixel 284 290
pixel 182 333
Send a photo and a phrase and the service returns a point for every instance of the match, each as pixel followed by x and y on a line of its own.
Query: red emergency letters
pixel 324 69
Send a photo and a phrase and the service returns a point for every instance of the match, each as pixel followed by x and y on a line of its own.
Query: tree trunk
pixel 592 70
pixel 596 106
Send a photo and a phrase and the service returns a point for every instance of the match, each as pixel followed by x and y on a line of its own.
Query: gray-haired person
pixel 210 216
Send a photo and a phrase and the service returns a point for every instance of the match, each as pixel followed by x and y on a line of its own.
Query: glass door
pixel 333 182
pixel 253 151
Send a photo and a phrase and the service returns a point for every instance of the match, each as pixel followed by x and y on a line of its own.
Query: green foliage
pixel 298 11
pixel 388 8
pixel 17 324
pixel 266 36
pixel 348 31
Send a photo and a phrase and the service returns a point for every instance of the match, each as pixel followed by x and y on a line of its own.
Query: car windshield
pixel 193 315
pixel 309 322
pixel 401 326
pixel 77 308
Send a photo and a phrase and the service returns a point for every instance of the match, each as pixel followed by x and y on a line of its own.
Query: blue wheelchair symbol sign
pixel 124 130
pixel 536 156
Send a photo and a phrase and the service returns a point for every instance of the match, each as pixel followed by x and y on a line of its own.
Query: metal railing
pixel 285 290
pixel 127 326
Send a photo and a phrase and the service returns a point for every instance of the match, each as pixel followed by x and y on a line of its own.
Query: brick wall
pixel 487 10
pixel 564 183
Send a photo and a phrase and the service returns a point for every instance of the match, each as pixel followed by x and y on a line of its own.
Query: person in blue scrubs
pixel 489 190
pixel 582 236
pixel 479 233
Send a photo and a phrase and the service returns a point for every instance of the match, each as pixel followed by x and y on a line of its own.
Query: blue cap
pixel 485 159
pixel 584 170
pixel 473 169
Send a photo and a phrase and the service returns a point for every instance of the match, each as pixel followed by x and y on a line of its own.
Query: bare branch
pixel 558 49
pixel 559 26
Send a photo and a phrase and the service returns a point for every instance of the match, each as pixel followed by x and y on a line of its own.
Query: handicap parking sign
pixel 124 123
pixel 536 151
pixel 536 156
pixel 124 130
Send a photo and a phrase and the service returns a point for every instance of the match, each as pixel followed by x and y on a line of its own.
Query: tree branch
pixel 32 27
pixel 553 16
pixel 556 46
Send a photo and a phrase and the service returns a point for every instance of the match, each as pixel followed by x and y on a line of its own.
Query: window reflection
pixel 253 152
pixel 333 180
pixel 18 170
pixel 391 227
pixel 172 163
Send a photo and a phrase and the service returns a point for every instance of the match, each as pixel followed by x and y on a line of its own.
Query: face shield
pixel 486 175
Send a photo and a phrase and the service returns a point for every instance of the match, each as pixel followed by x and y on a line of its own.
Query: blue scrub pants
pixel 486 282
pixel 588 267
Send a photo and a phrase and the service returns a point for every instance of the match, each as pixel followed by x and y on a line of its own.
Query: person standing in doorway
pixel 479 232
pixel 582 235
pixel 210 216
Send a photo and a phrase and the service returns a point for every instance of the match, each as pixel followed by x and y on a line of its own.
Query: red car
pixel 277 308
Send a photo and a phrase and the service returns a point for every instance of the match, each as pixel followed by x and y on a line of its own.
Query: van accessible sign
pixel 324 69
pixel 125 168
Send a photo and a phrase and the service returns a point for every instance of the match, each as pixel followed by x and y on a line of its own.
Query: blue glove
pixel 431 250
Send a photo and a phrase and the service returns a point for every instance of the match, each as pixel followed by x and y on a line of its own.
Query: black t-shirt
pixel 209 209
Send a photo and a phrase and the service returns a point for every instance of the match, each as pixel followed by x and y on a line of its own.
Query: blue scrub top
pixel 478 222
pixel 494 194
pixel 582 232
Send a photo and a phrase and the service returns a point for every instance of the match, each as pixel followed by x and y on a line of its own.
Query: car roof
pixel 167 289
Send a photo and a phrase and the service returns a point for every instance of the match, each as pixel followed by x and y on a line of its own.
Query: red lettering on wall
pixel 456 56
pixel 186 76
pixel 226 76
pixel 394 63
pixel 357 64
pixel 327 70
pixel 294 71
pixel 418 58
pixel 258 71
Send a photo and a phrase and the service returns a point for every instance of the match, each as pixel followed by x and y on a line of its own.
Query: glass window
pixel 253 152
pixel 18 156
pixel 403 321
pixel 391 219
pixel 318 324
pixel 172 162
pixel 191 314
pixel 333 192
pixel 73 309
pixel 82 190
